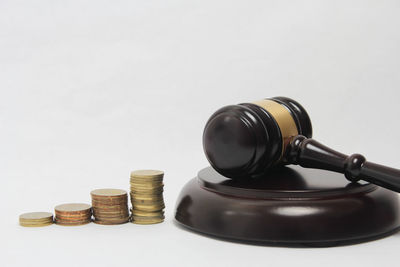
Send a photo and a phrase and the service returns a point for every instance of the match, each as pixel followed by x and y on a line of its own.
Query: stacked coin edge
pixel 147 196
pixel 73 214
pixel 110 206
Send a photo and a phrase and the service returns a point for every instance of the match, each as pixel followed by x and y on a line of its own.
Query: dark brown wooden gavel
pixel 248 139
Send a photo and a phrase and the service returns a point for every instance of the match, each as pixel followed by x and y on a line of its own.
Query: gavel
pixel 249 139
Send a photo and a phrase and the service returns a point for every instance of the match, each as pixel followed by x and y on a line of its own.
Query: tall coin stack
pixel 73 214
pixel 147 196
pixel 110 206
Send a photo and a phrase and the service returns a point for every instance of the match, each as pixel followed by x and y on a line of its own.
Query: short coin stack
pixel 110 206
pixel 72 214
pixel 36 219
pixel 147 196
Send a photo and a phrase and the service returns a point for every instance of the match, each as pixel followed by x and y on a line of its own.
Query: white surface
pixel 90 90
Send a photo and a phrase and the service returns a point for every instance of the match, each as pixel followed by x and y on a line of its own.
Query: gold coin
pixel 108 192
pixel 146 219
pixel 146 213
pixel 147 202
pixel 147 197
pixel 149 208
pixel 121 215
pixel 147 173
pixel 109 205
pixel 35 224
pixel 36 216
pixel 156 205
pixel 145 181
pixel 110 199
pixel 104 206
pixel 155 221
pixel 147 192
pixel 146 185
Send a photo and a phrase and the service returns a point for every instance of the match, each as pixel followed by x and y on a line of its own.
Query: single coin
pixel 108 192
pixel 147 197
pixel 113 208
pixel 73 216
pixel 148 208
pixel 156 205
pixel 118 218
pixel 111 212
pixel 58 221
pixel 73 208
pixel 146 213
pixel 111 216
pixel 150 193
pixel 110 199
pixel 147 202
pixel 108 222
pixel 35 224
pixel 146 219
pixel 35 216
pixel 111 219
pixel 146 185
pixel 147 222
pixel 72 219
pixel 73 223
pixel 147 173
pixel 96 204
pixel 149 182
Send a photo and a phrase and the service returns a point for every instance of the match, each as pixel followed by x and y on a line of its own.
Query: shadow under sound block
pixel 289 206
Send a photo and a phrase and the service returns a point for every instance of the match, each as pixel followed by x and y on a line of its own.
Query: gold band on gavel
pixel 284 119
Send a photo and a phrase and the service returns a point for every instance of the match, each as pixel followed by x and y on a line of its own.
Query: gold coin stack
pixel 147 196
pixel 110 206
pixel 36 219
pixel 73 214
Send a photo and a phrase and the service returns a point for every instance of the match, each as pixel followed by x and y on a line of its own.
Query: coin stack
pixel 147 196
pixel 110 206
pixel 72 214
pixel 36 219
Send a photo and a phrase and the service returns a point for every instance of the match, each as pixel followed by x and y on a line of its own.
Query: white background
pixel 90 90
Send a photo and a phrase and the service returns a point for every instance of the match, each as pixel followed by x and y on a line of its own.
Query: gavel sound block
pixel 253 194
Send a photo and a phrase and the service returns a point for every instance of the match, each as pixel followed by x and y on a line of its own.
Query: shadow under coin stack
pixel 110 206
pixel 73 214
pixel 147 196
pixel 36 219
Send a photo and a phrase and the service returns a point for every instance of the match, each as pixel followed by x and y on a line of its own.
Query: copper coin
pixel 125 220
pixel 73 224
pixel 73 208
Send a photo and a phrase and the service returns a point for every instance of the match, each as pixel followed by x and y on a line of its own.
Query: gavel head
pixel 247 139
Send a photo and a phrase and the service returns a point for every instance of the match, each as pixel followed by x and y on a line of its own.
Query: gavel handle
pixel 309 153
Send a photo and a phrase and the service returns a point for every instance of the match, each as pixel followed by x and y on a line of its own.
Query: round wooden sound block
pixel 291 205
